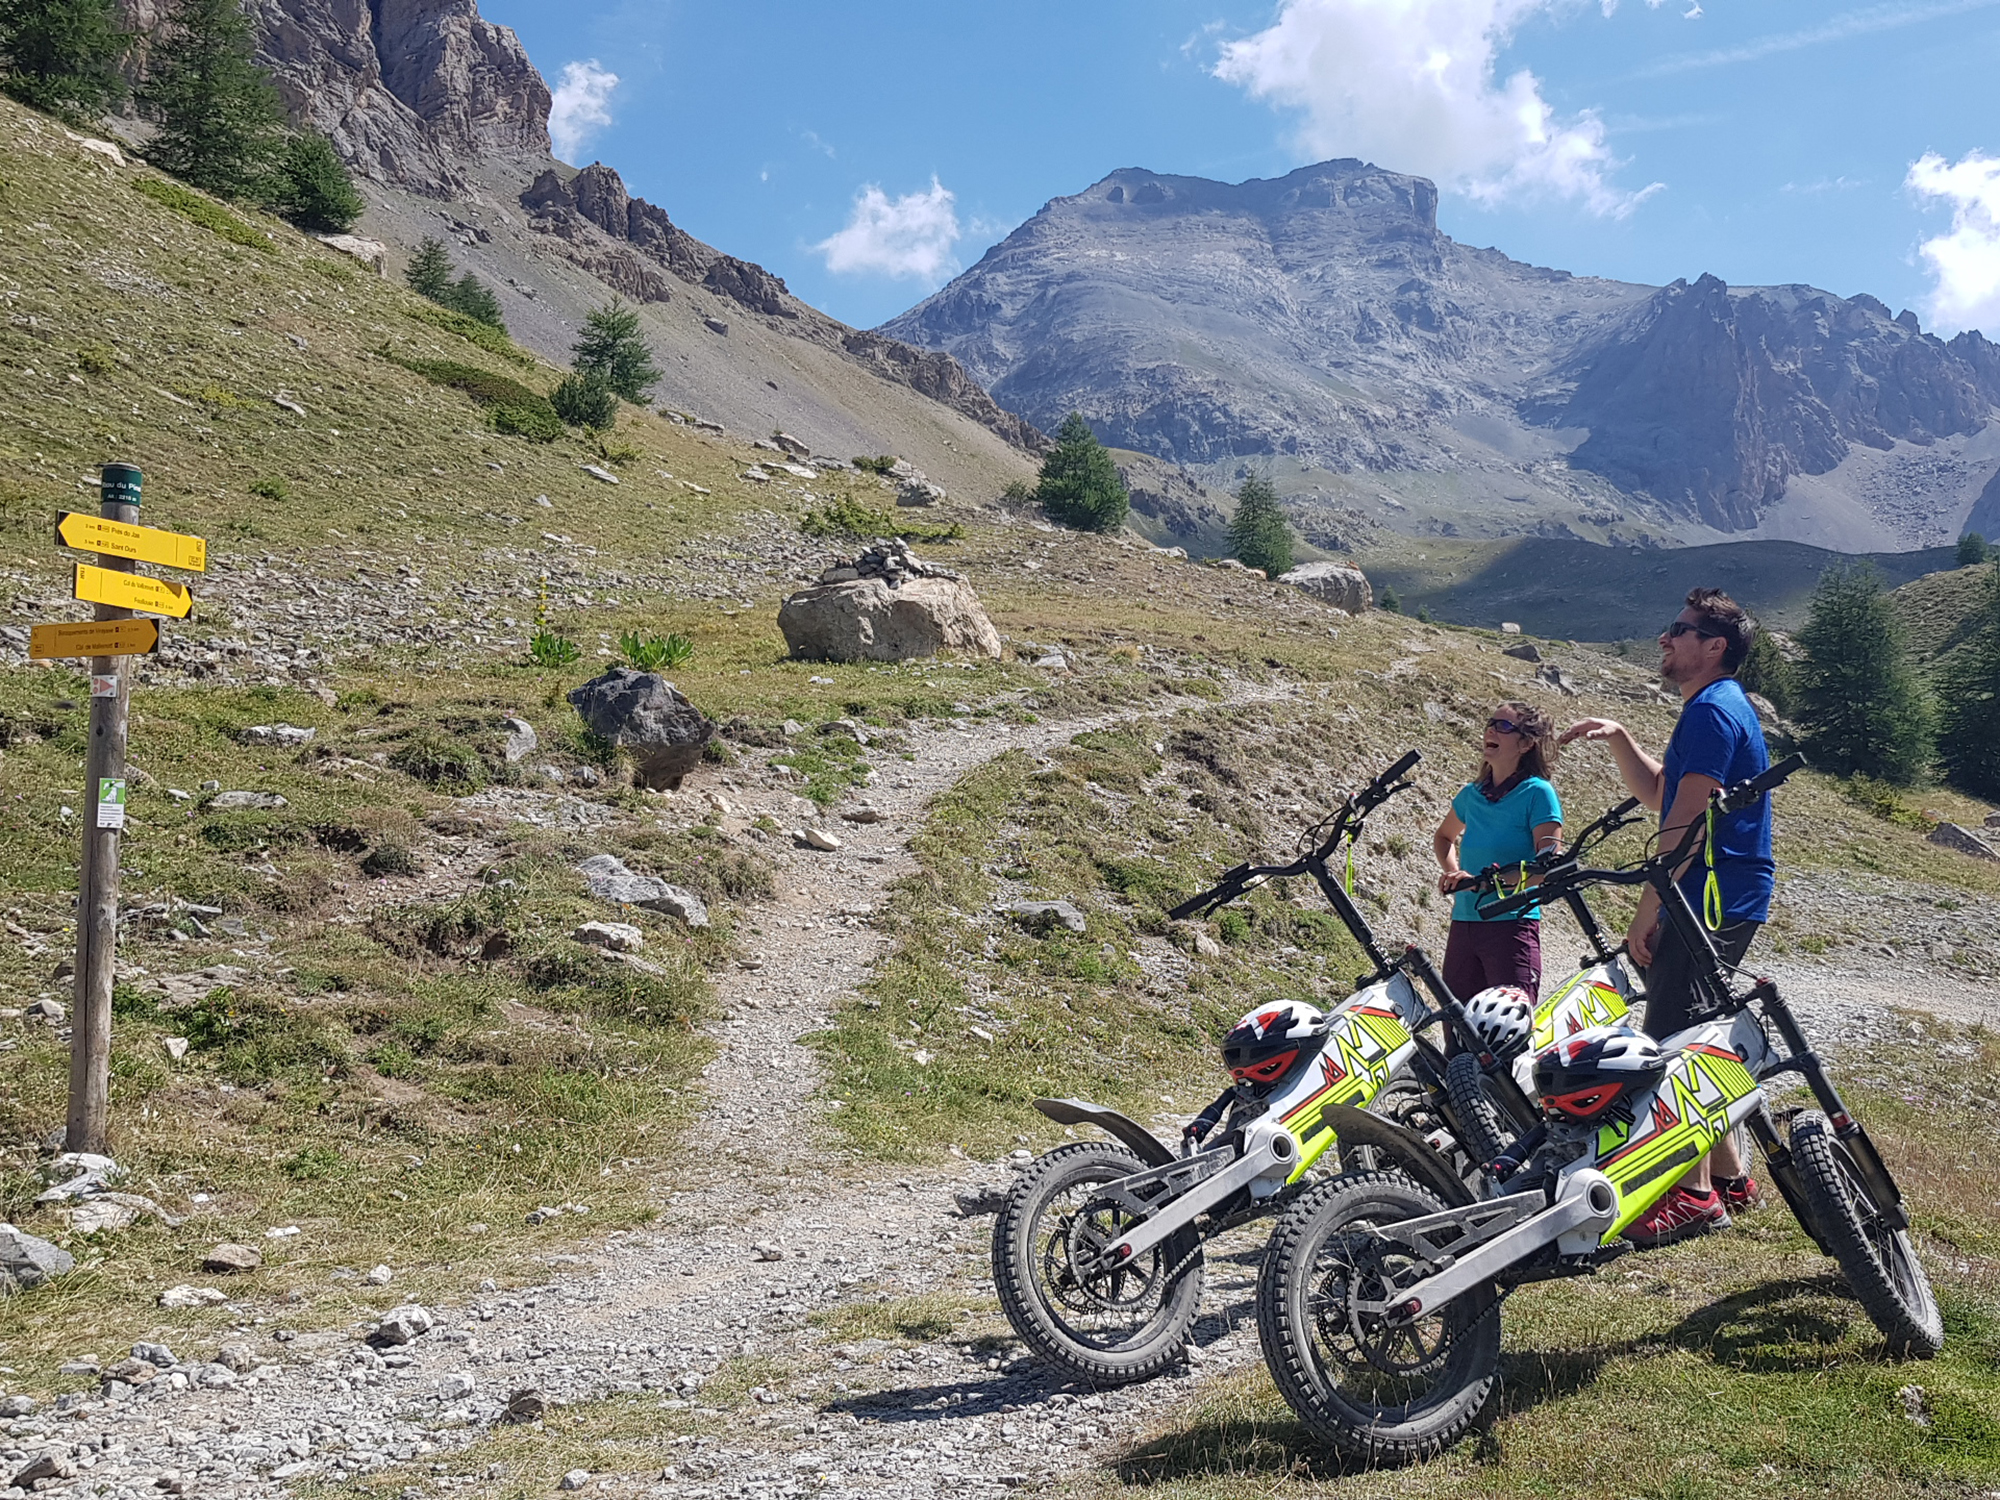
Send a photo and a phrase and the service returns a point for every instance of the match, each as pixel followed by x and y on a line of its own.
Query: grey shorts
pixel 1672 1001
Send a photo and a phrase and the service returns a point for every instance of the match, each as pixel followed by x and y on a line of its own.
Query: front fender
pixel 1402 1146
pixel 1127 1131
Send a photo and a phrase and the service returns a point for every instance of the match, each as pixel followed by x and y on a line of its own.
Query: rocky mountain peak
pixel 411 92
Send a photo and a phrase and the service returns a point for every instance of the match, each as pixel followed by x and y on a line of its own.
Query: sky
pixel 869 151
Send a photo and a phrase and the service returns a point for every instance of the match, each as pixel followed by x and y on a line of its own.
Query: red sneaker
pixel 1678 1216
pixel 1738 1193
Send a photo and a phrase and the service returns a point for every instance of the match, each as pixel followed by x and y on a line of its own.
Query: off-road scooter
pixel 1378 1304
pixel 1097 1254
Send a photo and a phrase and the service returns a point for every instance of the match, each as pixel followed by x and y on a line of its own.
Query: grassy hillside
pixel 1585 592
pixel 395 1044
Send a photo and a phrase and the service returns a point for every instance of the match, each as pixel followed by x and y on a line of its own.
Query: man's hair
pixel 1723 616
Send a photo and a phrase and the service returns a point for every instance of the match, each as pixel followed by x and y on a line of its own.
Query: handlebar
pixel 1345 822
pixel 1568 872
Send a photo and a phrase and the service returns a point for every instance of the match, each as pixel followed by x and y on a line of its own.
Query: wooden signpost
pixel 112 585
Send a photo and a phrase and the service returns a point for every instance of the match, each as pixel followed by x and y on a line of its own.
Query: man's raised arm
pixel 1644 777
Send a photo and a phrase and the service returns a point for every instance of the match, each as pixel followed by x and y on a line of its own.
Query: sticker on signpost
pixel 105 686
pixel 111 802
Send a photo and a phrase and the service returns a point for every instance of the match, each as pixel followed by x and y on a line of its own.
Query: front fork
pixel 1802 1060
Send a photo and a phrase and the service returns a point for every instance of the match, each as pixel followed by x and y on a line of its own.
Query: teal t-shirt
pixel 1500 833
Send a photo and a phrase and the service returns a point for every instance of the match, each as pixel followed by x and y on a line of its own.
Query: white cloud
pixel 1840 28
pixel 580 107
pixel 908 237
pixel 1965 262
pixel 1412 85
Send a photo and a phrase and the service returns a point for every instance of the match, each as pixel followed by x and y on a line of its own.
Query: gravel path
pixel 759 1231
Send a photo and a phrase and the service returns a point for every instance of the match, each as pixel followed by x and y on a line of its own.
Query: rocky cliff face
pixel 1322 323
pixel 1716 398
pixel 410 91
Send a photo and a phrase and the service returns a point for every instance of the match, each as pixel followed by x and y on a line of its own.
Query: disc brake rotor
pixel 1101 1222
pixel 1393 1349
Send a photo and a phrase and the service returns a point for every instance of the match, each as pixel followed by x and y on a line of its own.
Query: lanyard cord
pixel 1349 884
pixel 1711 889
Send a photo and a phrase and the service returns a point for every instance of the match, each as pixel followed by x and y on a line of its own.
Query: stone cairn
pixel 891 561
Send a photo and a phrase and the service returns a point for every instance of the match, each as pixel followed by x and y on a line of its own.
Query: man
pixel 1717 742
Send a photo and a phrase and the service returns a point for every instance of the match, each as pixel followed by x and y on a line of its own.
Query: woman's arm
pixel 1547 837
pixel 1444 844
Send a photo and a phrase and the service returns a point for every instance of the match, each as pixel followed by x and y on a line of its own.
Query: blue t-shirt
pixel 1718 735
pixel 1500 833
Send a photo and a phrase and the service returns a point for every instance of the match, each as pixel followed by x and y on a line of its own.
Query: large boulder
pixel 873 619
pixel 1342 585
pixel 647 715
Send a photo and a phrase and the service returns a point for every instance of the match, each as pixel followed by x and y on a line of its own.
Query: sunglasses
pixel 1678 628
pixel 1505 726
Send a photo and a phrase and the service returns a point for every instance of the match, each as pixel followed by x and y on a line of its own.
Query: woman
pixel 1508 815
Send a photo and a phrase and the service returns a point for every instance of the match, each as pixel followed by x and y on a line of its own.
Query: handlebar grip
pixel 1746 792
pixel 1507 906
pixel 1396 771
pixel 1629 805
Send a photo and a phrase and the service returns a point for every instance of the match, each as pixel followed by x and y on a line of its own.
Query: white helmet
pixel 1264 1048
pixel 1504 1017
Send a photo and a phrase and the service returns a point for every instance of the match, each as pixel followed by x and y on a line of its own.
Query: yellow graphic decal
pixel 1580 1004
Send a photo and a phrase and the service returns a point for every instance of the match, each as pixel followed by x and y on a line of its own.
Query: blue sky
pixel 1762 140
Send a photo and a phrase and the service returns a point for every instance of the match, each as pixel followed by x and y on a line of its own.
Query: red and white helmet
pixel 1504 1017
pixel 1596 1075
pixel 1263 1048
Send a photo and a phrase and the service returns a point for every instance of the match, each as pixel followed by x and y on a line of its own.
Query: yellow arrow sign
pixel 94 638
pixel 132 591
pixel 140 543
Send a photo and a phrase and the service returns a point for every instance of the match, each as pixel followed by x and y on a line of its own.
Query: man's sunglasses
pixel 1678 628
pixel 1505 726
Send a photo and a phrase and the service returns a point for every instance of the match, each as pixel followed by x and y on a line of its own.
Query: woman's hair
pixel 1535 725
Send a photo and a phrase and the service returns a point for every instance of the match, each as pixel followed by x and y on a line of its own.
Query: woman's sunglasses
pixel 1505 726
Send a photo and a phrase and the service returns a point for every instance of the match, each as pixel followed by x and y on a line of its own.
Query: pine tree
pixel 1860 705
pixel 429 271
pixel 610 347
pixel 312 188
pixel 585 401
pixel 1388 600
pixel 1766 671
pixel 1259 534
pixel 1971 549
pixel 221 123
pixel 475 299
pixel 62 56
pixel 1969 687
pixel 1080 486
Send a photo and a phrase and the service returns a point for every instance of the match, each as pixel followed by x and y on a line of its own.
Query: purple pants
pixel 1480 955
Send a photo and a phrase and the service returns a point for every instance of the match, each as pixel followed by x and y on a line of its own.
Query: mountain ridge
pixel 1322 323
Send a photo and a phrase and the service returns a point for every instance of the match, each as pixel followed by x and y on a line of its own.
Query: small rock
pixel 159 1356
pixel 521 742
pixel 246 802
pixel 237 1358
pixel 380 1276
pixel 543 1214
pixel 27 1261
pixel 619 937
pixel 46 1008
pixel 609 880
pixel 1508 627
pixel 1964 840
pixel 1044 917
pixel 651 719
pixel 457 1387
pixel 45 1466
pixel 177 1046
pixel 278 734
pixel 230 1259
pixel 713 325
pixel 768 1252
pixel 403 1325
pixel 102 1216
pixel 576 1479
pixel 17 1406
pixel 1523 651
pixel 1993 820
pixel 192 1296
pixel 816 838
pixel 976 1202
pixel 864 815
pixel 134 1371
pixel 528 1405
pixel 1206 946
pixel 603 475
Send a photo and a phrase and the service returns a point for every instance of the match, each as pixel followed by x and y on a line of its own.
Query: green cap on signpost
pixel 120 483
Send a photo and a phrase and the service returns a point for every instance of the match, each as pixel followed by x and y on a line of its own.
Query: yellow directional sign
pixel 140 543
pixel 94 638
pixel 132 591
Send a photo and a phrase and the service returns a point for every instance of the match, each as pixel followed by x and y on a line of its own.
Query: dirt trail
pixel 759 1230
